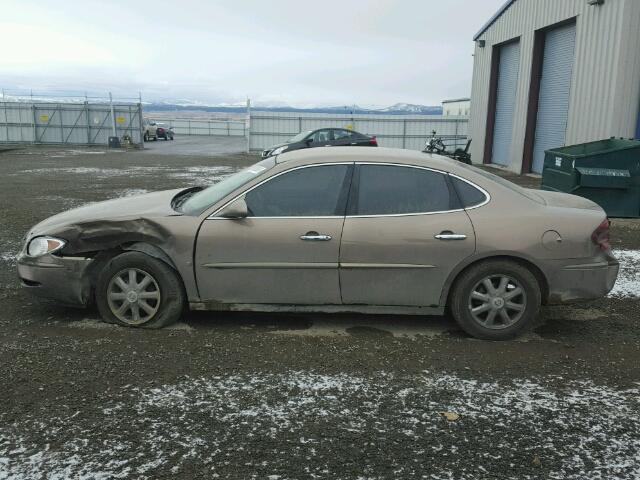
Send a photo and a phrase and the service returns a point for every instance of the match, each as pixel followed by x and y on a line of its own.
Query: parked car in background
pixel 162 131
pixel 150 130
pixel 330 230
pixel 324 137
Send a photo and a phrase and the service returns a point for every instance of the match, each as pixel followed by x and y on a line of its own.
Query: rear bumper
pixel 63 279
pixel 581 282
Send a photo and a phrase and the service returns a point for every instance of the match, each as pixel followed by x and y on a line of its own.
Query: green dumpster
pixel 606 172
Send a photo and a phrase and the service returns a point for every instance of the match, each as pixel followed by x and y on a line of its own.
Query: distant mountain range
pixel 397 109
pixel 177 105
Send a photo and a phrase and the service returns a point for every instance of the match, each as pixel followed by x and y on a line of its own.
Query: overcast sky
pixel 324 52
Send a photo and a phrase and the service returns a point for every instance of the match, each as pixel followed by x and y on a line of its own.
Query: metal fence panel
pixel 396 131
pixel 68 123
pixel 187 126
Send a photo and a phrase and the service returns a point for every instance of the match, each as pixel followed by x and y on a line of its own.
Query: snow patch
pixel 577 428
pixel 628 282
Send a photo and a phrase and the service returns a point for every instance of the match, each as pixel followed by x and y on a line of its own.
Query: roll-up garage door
pixel 505 103
pixel 555 86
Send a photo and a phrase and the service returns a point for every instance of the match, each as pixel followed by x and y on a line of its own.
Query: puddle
pixel 408 327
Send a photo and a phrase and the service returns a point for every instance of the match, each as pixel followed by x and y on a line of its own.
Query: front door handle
pixel 315 237
pixel 449 235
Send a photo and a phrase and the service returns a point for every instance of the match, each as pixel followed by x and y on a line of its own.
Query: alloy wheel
pixel 133 296
pixel 497 302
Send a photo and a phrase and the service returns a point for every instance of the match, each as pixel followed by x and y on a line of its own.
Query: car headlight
pixel 279 150
pixel 39 246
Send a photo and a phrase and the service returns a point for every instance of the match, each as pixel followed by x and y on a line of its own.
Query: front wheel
pixel 146 137
pixel 136 290
pixel 496 300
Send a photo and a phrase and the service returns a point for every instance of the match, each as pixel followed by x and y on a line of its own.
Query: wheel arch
pixel 104 256
pixel 510 256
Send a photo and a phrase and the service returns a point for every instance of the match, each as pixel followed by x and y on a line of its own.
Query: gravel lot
pixel 297 396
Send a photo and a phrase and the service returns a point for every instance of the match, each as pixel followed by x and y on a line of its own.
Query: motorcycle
pixel 437 145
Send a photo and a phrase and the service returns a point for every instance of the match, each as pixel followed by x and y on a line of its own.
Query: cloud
pixel 332 52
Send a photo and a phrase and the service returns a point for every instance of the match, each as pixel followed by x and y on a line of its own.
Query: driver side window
pixel 321 137
pixel 316 191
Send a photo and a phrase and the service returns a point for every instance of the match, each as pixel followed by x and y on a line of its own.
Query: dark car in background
pixel 164 132
pixel 324 137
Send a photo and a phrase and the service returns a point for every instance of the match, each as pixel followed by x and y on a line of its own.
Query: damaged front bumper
pixel 63 279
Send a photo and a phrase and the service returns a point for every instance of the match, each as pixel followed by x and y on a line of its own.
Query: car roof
pixel 367 154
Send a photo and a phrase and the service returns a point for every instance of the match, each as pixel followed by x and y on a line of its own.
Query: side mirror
pixel 237 209
pixel 308 141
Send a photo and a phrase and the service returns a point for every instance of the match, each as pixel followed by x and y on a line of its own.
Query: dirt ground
pixel 284 396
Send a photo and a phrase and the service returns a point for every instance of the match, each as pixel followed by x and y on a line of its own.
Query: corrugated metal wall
pixel 605 92
pixel 397 131
pixel 66 123
pixel 187 126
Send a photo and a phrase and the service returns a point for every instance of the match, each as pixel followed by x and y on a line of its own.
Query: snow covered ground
pixel 587 431
pixel 628 282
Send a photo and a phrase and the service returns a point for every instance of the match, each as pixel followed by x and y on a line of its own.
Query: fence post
pixel 141 122
pixel 113 116
pixel 189 127
pixel 33 108
pixel 404 133
pixel 61 124
pixel 86 115
pixel 248 120
pixel 299 124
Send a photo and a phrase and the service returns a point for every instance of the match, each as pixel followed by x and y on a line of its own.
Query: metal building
pixel 549 73
pixel 456 107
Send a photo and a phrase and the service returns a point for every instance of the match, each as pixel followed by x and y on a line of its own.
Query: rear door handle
pixel 449 235
pixel 315 237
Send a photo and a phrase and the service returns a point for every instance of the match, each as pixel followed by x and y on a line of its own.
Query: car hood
pixel 154 204
pixel 276 146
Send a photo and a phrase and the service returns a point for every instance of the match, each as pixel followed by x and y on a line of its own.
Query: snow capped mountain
pixel 409 108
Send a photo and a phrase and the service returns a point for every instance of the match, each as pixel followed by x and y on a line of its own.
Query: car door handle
pixel 449 235
pixel 315 237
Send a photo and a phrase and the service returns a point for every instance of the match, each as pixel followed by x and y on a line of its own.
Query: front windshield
pixel 200 201
pixel 299 137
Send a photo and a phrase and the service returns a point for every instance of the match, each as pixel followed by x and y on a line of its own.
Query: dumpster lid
pixel 603 172
pixel 599 147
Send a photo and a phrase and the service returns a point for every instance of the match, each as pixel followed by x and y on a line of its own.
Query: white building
pixel 549 73
pixel 456 107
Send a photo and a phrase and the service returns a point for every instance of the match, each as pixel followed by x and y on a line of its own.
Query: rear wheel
pixel 136 290
pixel 146 137
pixel 496 300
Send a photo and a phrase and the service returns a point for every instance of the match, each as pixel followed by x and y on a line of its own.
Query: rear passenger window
pixel 469 195
pixel 388 190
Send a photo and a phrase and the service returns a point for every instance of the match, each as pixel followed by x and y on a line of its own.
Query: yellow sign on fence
pixel 120 120
pixel 44 118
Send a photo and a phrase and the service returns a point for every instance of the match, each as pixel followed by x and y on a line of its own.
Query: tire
pixel 163 293
pixel 155 139
pixel 492 308
pixel 146 137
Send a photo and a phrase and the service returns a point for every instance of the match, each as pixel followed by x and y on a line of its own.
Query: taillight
pixel 601 236
pixel 373 141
